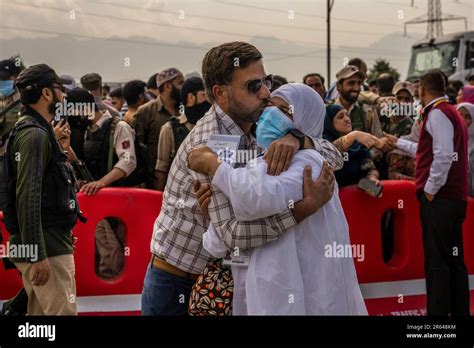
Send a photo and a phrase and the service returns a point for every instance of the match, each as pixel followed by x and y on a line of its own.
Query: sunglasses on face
pixel 253 86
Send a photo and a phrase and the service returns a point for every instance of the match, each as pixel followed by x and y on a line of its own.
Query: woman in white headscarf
pixel 299 273
pixel 467 112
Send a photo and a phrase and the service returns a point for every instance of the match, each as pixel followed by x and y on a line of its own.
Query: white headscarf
pixel 308 107
pixel 470 131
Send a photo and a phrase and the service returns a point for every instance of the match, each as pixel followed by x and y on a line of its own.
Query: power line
pixel 296 27
pixel 213 31
pixel 400 5
pixel 219 32
pixel 434 18
pixel 283 55
pixel 311 54
pixel 194 28
pixel 41 31
pixel 305 15
pixel 266 9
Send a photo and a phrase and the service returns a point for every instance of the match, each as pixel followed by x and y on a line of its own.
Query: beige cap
pixel 349 71
pixel 403 85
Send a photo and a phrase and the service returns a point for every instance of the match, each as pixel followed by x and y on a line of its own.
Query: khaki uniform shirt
pixel 166 147
pixel 148 122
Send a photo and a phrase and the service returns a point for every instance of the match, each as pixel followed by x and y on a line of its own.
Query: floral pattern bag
pixel 212 293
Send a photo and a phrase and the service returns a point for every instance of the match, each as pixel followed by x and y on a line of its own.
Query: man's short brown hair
pixel 434 82
pixel 91 81
pixel 220 62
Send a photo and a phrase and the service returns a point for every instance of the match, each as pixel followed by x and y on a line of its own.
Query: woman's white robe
pixel 297 274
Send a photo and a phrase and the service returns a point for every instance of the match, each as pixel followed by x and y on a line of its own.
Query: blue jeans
pixel 164 293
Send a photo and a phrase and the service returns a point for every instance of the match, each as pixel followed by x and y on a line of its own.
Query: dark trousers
pixel 447 284
pixel 165 294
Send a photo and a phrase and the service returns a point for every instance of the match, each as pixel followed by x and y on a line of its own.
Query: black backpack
pixel 6 181
pixel 180 132
pixel 6 166
pixel 144 170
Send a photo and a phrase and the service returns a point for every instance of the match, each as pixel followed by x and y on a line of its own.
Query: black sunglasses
pixel 253 86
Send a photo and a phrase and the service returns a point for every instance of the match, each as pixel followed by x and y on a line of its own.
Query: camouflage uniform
pixel 398 127
pixel 400 167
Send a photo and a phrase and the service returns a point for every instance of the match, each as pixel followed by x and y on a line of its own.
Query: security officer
pixel 109 149
pixel 401 113
pixel 109 154
pixel 42 207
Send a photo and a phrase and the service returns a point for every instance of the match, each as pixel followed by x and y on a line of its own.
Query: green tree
pixel 382 66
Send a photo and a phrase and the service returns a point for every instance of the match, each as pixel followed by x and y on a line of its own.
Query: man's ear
pixel 47 93
pixel 421 91
pixel 220 93
pixel 168 86
pixel 338 86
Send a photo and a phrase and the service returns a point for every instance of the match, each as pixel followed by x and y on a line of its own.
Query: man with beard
pixel 193 97
pixel 239 88
pixel 349 82
pixel 441 179
pixel 153 115
pixel 42 207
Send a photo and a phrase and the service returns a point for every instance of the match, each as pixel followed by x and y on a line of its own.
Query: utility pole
pixel 330 4
pixel 435 19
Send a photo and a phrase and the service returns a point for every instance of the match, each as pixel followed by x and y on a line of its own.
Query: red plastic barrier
pixel 138 209
pixel 10 281
pixel 364 214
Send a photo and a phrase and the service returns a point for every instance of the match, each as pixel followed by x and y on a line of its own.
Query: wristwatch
pixel 298 135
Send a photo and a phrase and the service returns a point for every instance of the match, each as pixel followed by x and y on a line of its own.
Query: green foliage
pixel 382 66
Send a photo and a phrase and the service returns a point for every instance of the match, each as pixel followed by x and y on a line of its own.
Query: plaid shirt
pixel 178 230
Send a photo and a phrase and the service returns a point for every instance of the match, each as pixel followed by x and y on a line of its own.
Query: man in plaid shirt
pixel 239 89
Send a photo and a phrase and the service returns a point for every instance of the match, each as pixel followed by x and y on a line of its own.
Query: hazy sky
pixel 290 34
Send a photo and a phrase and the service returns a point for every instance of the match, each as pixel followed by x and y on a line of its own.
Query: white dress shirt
pixel 441 130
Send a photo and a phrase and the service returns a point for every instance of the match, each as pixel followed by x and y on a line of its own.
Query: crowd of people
pixel 234 237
